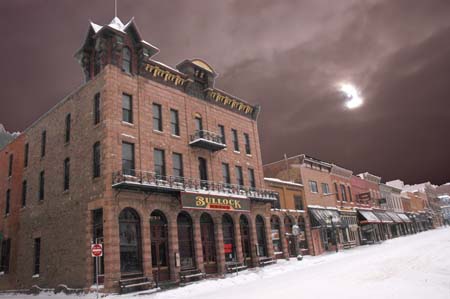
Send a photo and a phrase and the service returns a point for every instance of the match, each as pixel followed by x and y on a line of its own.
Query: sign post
pixel 97 252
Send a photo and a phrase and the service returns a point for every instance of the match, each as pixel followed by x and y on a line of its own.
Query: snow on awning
pixel 369 216
pixel 322 217
pixel 396 217
pixel 404 217
pixel 383 217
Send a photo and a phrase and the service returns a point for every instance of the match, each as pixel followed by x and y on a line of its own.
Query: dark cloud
pixel 287 56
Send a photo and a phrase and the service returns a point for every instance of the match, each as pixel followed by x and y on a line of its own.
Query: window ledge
pixel 65 192
pixel 175 136
pixel 249 155
pixel 35 276
pixel 125 123
pixel 236 152
pixel 158 132
pixel 67 143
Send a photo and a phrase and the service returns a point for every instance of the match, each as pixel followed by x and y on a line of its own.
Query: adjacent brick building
pixel 153 162
pixel 314 174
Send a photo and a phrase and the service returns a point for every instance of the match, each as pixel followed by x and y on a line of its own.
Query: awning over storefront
pixel 321 217
pixel 369 217
pixel 395 217
pixel 404 218
pixel 383 217
pixel 415 217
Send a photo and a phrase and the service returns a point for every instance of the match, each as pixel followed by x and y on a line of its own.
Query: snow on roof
pixel 117 24
pixel 321 207
pixel 96 27
pixel 275 180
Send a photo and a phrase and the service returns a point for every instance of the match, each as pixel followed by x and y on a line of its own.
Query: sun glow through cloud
pixel 354 99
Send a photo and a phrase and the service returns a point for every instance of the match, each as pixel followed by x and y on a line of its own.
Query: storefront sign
pixel 213 202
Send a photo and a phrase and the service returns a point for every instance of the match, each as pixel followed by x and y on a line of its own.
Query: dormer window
pixel 126 60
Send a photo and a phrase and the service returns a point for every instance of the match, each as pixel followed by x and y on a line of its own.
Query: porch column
pixel 220 251
pixel 198 249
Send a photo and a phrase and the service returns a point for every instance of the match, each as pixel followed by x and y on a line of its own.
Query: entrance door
pixel 290 239
pixel 203 171
pixel 208 243
pixel 261 236
pixel 245 238
pixel 185 241
pixel 160 246
pixel 130 242
pixel 228 238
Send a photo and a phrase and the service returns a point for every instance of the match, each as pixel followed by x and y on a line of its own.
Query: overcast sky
pixel 285 55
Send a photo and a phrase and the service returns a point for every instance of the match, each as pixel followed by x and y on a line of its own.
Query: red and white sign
pixel 97 250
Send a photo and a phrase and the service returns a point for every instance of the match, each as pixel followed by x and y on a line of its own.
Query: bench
pixel 266 261
pixel 235 267
pixel 135 284
pixel 191 275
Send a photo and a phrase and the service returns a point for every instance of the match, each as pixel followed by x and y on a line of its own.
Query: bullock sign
pixel 214 202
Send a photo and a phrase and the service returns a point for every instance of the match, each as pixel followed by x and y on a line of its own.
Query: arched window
pixel 186 241
pixel 159 237
pixel 126 60
pixel 228 237
pixel 245 236
pixel 130 241
pixel 261 236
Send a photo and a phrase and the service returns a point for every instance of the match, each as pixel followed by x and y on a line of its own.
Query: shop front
pixel 326 224
pixel 369 227
pixel 385 225
pixel 350 228
pixel 166 237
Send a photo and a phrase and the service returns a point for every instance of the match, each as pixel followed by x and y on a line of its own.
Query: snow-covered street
pixel 416 266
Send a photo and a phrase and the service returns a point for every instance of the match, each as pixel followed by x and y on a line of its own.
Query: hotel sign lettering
pixel 213 202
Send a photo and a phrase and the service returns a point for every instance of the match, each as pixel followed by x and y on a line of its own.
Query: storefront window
pixel 130 241
pixel 276 234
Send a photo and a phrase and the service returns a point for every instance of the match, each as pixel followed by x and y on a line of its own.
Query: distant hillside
pixel 5 137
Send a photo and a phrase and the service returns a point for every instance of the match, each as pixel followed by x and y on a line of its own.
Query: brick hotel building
pixel 151 161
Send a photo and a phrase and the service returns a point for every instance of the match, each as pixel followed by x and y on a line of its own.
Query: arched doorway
pixel 208 243
pixel 290 238
pixel 245 238
pixel 261 248
pixel 276 236
pixel 228 238
pixel 301 238
pixel 159 236
pixel 130 242
pixel 185 241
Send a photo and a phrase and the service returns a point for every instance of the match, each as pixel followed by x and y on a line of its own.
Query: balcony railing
pixel 150 181
pixel 208 140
